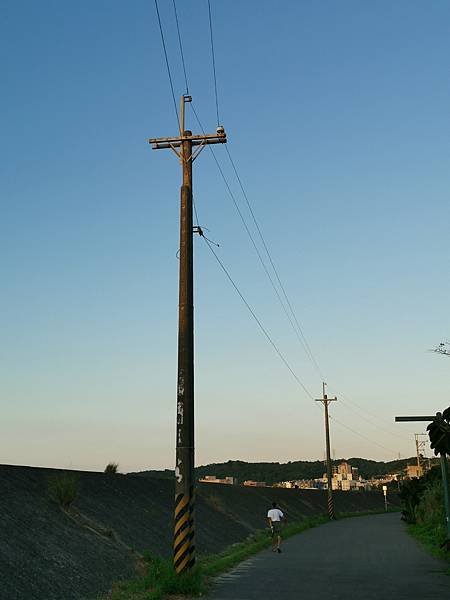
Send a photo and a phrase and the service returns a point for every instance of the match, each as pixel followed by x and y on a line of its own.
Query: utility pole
pixel 325 401
pixel 420 451
pixel 184 526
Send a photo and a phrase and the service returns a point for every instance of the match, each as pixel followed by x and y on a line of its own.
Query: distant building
pixel 413 471
pixel 214 479
pixel 378 482
pixel 345 478
pixel 300 484
pixel 250 483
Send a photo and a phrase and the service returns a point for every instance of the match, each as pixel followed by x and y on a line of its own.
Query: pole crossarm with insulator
pixel 187 147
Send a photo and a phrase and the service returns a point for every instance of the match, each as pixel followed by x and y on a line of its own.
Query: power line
pixel 257 320
pixel 303 341
pixel 347 405
pixel 362 435
pixel 167 60
pixel 227 185
pixel 181 46
pixel 213 60
pixel 281 356
pixel 252 239
pixel 266 334
pixel 249 307
pixel 302 338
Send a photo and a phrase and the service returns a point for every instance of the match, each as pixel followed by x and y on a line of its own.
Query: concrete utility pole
pixel 325 401
pixel 184 527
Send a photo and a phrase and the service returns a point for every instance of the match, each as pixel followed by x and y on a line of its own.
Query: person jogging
pixel 275 516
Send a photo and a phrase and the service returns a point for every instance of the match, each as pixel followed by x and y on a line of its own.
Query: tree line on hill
pixel 273 472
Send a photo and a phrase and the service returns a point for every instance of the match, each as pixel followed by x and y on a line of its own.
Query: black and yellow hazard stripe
pixel 331 507
pixel 191 529
pixel 182 531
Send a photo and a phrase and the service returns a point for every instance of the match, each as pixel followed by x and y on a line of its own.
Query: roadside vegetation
pixel 159 580
pixel 423 510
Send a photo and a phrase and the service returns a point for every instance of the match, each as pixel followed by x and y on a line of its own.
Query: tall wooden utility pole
pixel 184 527
pixel 325 401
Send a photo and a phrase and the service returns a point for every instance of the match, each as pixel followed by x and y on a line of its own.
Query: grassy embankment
pixel 423 510
pixel 159 580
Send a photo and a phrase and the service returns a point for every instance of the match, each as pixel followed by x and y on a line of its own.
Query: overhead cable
pixel 181 46
pixel 361 435
pixel 263 329
pixel 281 356
pixel 213 61
pixel 298 330
pixel 249 233
pixel 346 404
pixel 167 61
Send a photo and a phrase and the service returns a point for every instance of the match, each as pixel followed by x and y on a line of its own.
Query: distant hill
pixel 274 472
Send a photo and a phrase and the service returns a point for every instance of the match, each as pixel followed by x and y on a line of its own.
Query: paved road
pixel 364 558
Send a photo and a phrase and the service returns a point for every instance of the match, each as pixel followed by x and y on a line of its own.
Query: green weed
pixel 159 581
pixel 64 489
pixel 111 468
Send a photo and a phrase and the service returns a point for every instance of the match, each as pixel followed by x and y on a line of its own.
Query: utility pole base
pixel 331 514
pixel 184 532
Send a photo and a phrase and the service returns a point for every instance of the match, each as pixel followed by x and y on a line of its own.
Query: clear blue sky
pixel 337 115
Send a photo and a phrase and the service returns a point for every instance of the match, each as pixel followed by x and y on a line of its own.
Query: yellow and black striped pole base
pixel 331 514
pixel 184 533
pixel 191 530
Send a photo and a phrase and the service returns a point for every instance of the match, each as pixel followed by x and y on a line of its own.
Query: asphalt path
pixel 362 558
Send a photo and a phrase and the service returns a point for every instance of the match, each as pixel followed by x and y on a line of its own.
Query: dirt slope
pixel 47 555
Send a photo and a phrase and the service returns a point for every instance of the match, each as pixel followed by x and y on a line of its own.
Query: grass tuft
pixel 159 581
pixel 111 468
pixel 64 489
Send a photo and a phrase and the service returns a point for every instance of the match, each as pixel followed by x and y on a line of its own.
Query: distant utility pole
pixel 184 527
pixel 325 401
pixel 420 450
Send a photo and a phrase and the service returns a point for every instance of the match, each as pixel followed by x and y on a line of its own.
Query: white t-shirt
pixel 275 514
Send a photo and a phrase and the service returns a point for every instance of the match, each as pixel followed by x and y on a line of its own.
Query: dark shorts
pixel 276 528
